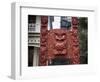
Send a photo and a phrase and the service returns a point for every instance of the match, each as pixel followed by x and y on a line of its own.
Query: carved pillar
pixel 74 50
pixel 43 41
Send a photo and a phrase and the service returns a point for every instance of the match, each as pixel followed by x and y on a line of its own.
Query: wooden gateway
pixel 59 46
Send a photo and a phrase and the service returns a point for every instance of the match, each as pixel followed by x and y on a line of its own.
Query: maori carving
pixel 61 43
pixel 57 43
pixel 74 42
pixel 43 41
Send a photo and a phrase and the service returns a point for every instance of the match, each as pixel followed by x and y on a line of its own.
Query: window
pixel 31 23
pixel 65 22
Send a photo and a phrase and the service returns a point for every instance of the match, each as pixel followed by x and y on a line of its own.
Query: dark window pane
pixel 60 61
pixel 31 19
pixel 65 23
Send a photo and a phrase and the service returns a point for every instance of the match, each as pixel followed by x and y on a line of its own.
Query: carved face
pixel 60 35
pixel 60 42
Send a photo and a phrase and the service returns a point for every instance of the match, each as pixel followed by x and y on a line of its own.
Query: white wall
pixel 5 43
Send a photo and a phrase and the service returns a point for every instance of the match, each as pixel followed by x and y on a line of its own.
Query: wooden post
pixel 74 50
pixel 43 41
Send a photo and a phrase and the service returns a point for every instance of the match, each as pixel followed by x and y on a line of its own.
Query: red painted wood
pixel 43 41
pixel 59 43
pixel 74 51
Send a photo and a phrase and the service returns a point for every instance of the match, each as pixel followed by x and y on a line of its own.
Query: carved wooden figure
pixel 43 41
pixel 74 51
pixel 59 43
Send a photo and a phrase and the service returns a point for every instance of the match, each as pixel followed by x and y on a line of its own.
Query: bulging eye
pixel 56 37
pixel 63 35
